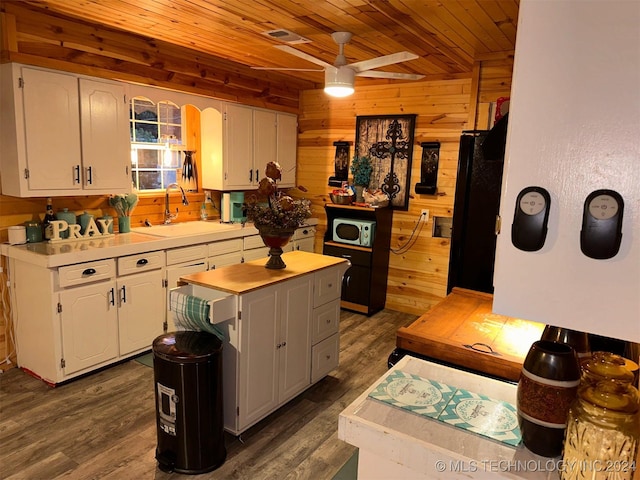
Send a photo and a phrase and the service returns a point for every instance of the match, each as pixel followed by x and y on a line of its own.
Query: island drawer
pixel 186 254
pixel 326 320
pixel 327 284
pixel 141 262
pixel 324 357
pixel 225 246
pixel 82 273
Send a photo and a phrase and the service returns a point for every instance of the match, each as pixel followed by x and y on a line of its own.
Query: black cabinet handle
pixel 113 297
pixel 251 175
pixel 77 174
pixel 89 271
pixel 142 261
pixel 123 297
pixel 89 175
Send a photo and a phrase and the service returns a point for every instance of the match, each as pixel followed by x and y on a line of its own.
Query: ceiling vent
pixel 285 36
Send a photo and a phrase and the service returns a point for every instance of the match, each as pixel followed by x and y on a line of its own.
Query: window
pixel 156 131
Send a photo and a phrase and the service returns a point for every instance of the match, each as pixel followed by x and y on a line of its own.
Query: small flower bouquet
pixel 361 169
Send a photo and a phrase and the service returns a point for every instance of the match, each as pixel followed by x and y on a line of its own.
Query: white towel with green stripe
pixel 192 313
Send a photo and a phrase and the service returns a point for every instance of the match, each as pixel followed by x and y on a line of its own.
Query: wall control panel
pixel 529 228
pixel 601 232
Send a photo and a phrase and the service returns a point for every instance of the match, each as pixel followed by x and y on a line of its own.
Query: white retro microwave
pixel 354 231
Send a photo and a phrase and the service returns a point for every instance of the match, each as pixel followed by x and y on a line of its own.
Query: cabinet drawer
pixel 140 263
pixel 325 357
pixel 327 284
pixel 255 254
pixel 356 257
pixel 304 232
pixel 253 241
pixel 225 246
pixel 186 254
pixel 226 259
pixel 326 321
pixel 82 273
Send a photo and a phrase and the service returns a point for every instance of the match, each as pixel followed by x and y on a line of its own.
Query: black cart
pixel 187 370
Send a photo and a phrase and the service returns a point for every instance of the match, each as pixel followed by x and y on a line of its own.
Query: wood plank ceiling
pixel 448 35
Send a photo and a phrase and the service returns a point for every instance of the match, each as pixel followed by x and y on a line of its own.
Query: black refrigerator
pixel 476 207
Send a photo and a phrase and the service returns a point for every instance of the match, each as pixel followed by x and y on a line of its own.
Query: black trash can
pixel 187 370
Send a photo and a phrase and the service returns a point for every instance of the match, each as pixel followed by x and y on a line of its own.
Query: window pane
pixel 169 113
pixel 148 158
pixel 145 110
pixel 173 132
pixel 169 176
pixel 145 132
pixel 149 180
pixel 173 159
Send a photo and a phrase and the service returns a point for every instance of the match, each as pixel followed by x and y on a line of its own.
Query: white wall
pixel 574 127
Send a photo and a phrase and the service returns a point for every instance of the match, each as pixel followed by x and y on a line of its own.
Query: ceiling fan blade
pixel 298 53
pixel 398 76
pixel 289 69
pixel 382 61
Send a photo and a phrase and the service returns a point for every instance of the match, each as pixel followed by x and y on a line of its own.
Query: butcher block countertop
pixel 249 276
pixel 462 331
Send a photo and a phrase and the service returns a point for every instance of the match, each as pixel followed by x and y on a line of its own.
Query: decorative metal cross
pixel 397 150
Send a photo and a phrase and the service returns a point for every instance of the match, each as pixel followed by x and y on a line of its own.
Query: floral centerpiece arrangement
pixel 278 217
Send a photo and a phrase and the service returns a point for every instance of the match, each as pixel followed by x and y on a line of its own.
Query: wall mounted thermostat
pixel 529 228
pixel 601 232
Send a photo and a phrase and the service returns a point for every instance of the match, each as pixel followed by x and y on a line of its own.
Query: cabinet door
pixel 238 147
pixel 258 355
pixel 106 148
pixel 287 148
pixel 265 147
pixel 52 130
pixel 356 284
pixel 295 337
pixel 141 310
pixel 89 320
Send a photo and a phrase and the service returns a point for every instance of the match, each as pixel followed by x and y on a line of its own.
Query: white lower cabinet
pixel 80 317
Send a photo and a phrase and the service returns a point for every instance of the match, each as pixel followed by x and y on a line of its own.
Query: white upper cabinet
pixel 62 134
pixel 238 142
pixel 574 128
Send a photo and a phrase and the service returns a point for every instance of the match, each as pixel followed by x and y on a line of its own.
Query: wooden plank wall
pixel 417 277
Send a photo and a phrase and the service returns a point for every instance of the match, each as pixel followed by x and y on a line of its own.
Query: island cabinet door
pixel 295 337
pixel 258 356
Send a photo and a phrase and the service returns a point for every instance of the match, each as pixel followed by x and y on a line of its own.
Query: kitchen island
pixel 281 329
pixel 397 443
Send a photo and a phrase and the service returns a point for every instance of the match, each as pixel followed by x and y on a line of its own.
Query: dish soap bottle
pixel 47 228
pixel 203 211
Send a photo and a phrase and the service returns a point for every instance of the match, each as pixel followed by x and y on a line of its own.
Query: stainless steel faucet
pixel 168 216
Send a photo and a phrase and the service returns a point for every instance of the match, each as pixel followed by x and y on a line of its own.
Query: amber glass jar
pixel 603 430
pixel 605 365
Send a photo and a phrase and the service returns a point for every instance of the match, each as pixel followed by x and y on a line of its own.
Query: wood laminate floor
pixel 103 425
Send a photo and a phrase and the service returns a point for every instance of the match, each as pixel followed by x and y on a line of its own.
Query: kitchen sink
pixel 186 228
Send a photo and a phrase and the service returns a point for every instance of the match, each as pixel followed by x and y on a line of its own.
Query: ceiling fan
pixel 340 77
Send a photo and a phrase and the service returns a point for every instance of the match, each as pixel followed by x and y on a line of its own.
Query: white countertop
pixel 52 255
pixel 423 448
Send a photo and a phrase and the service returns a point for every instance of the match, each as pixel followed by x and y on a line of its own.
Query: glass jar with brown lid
pixel 603 430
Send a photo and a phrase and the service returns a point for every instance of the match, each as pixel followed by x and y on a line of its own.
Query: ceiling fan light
pixel 338 82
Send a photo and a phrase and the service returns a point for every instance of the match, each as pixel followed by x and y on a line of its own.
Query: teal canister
pixel 68 217
pixel 34 232
pixel 84 220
